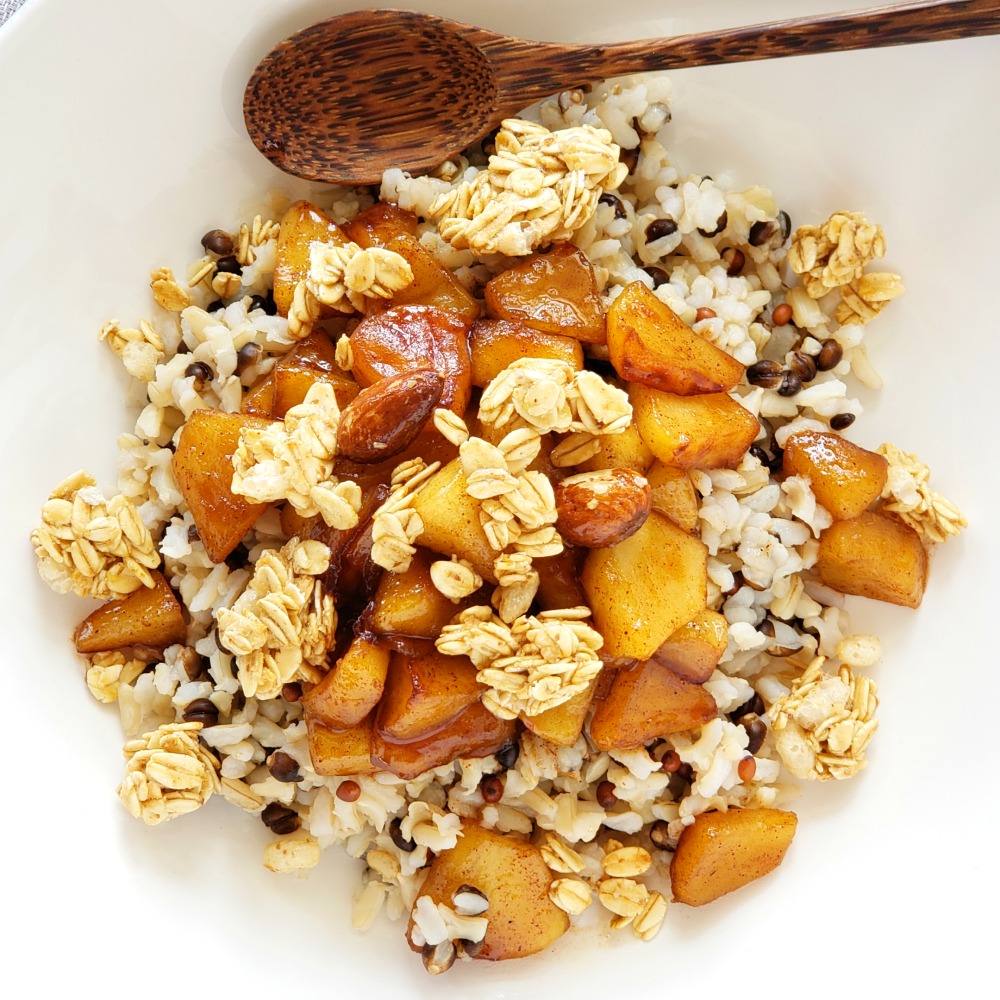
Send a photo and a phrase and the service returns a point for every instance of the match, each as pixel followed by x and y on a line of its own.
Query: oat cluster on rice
pixel 592 167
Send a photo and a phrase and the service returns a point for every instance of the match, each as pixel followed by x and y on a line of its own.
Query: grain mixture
pixel 266 659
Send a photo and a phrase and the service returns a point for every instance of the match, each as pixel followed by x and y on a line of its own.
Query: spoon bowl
pixel 344 100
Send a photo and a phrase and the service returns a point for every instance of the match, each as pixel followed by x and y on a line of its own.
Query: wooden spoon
pixel 349 97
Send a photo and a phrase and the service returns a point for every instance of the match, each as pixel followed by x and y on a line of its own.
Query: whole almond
pixel 601 508
pixel 384 418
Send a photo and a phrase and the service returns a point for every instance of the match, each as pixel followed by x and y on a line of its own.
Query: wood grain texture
pixel 349 97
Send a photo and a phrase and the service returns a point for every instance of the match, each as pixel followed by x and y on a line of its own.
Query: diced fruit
pixel 433 284
pixel 302 225
pixel 338 753
pixel 693 432
pixel 497 343
pixel 311 360
pixel 385 418
pixel 514 878
pixel 563 724
pixel 554 292
pixel 723 851
pixel 643 589
pixel 620 451
pixel 451 520
pixel 649 343
pixel 874 555
pixel 424 693
pixel 345 696
pixel 845 477
pixel 149 616
pixel 476 732
pixel 376 225
pixel 673 494
pixel 203 468
pixel 407 337
pixel 259 401
pixel 408 603
pixel 601 508
pixel 647 701
pixel 694 650
pixel 559 580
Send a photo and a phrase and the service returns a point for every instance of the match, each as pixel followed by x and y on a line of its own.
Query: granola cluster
pixel 283 624
pixel 92 546
pixel 345 277
pixel 540 186
pixel 908 495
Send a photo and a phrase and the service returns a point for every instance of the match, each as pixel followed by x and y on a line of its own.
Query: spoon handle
pixel 527 71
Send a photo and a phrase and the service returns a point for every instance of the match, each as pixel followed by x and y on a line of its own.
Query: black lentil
pixel 609 199
pixel 840 421
pixel 830 355
pixel 784 225
pixel 606 795
pixel 734 259
pixel 803 365
pixel 767 374
pixel 280 819
pixel 283 767
pixel 247 355
pixel 200 372
pixel 396 833
pixel 507 754
pixel 202 710
pixel 228 265
pixel 658 229
pixel 630 157
pixel 218 241
pixel 790 384
pixel 756 731
pixel 762 232
pixel 659 276
pixel 659 834
pixel 720 224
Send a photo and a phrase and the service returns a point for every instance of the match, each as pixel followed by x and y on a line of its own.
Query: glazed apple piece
pixel 497 343
pixel 433 284
pixel 562 724
pixel 673 494
pixel 620 451
pixel 352 689
pixel 694 650
pixel 408 603
pixel 423 694
pixel 475 732
pixel 649 343
pixel 451 520
pixel 302 225
pixel 149 616
pixel 647 701
pixel 513 876
pixel 342 752
pixel 874 555
pixel 559 580
pixel 416 336
pixel 554 292
pixel 723 851
pixel 311 360
pixel 376 225
pixel 203 468
pixel 711 431
pixel 259 401
pixel 644 588
pixel 845 478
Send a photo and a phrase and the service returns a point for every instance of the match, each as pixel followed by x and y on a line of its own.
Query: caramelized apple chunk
pixel 496 343
pixel 649 343
pixel 302 225
pixel 349 692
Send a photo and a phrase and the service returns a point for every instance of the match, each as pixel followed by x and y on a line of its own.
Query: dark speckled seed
pixel 630 157
pixel 791 384
pixel 660 228
pixel 767 374
pixel 218 241
pixel 803 365
pixel 615 202
pixel 830 355
pixel 841 421
pixel 228 265
pixel 784 225
pixel 202 710
pixel 734 259
pixel 507 755
pixel 606 795
pixel 283 767
pixel 658 275
pixel 756 731
pixel 720 224
pixel 762 232
pixel 279 819
pixel 247 355
pixel 396 833
pixel 660 836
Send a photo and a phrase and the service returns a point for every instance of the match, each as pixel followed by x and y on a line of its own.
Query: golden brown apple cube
pixel 451 520
pixel 694 650
pixel 409 604
pixel 874 555
pixel 259 401
pixel 559 580
pixel 433 284
pixel 514 878
pixel 644 588
pixel 349 692
pixel 620 451
pixel 649 343
pixel 554 292
pixel 723 851
pixel 203 468
pixel 846 478
pixel 562 724
pixel 379 223
pixel 311 360
pixel 342 752
pixel 474 732
pixel 424 693
pixel 648 701
pixel 149 616
pixel 302 225
pixel 497 343
pixel 712 431
pixel 673 494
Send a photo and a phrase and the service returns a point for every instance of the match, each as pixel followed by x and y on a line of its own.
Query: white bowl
pixel 122 142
